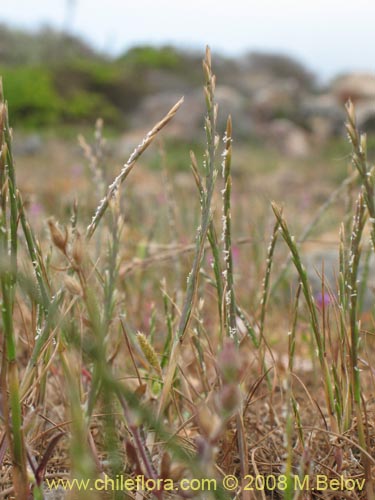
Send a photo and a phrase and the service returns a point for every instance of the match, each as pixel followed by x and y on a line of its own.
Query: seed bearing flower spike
pixel 127 168
pixel 58 238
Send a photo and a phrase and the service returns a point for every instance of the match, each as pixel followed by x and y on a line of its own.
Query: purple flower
pixel 35 209
pixel 323 299
pixel 76 170
pixel 161 198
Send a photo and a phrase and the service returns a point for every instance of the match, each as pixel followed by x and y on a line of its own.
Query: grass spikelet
pixel 72 285
pixel 113 188
pixel 202 230
pixel 77 250
pixel 230 302
pixel 59 239
pixel 359 159
pixel 149 353
pixel 9 376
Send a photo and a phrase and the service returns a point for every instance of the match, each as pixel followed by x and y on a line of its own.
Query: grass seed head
pixel 58 238
pixel 72 285
pixel 77 251
pixel 3 153
pixel 149 352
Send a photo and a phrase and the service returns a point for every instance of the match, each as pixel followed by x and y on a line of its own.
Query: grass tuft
pixel 229 377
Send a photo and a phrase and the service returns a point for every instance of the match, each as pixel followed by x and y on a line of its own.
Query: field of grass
pixel 160 321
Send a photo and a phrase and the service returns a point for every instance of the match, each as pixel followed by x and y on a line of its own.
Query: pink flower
pixel 235 254
pixel 161 199
pixel 35 209
pixel 76 170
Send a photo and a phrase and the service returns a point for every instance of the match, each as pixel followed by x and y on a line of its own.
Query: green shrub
pixel 118 85
pixel 153 58
pixel 32 96
pixel 41 97
pixel 83 105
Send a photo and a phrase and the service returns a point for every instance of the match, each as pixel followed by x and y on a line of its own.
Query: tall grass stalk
pixel 359 159
pixel 264 300
pixel 334 196
pixel 9 245
pixel 206 215
pixel 366 201
pixel 228 286
pixel 214 244
pixel 230 301
pixel 314 321
pixel 292 412
pixel 79 304
pixel 127 168
pixel 267 279
pixel 345 393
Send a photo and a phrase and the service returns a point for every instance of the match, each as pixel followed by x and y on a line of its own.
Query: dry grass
pixel 129 347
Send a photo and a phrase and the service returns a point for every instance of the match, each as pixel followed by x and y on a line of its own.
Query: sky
pixel 329 36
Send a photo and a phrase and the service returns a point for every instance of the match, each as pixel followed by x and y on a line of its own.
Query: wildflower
pixel 323 299
pixel 235 254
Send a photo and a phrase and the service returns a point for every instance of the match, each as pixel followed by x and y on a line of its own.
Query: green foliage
pixel 52 78
pixel 83 105
pixel 40 97
pixel 92 74
pixel 153 58
pixel 32 96
pixel 118 86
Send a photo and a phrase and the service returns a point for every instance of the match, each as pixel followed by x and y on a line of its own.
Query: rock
pixel 231 102
pixel 277 98
pixel 354 86
pixel 365 113
pixel 250 82
pixel 329 257
pixel 188 121
pixel 324 115
pixel 290 139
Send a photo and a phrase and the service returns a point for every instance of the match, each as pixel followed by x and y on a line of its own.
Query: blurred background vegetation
pixel 287 125
pixel 53 78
